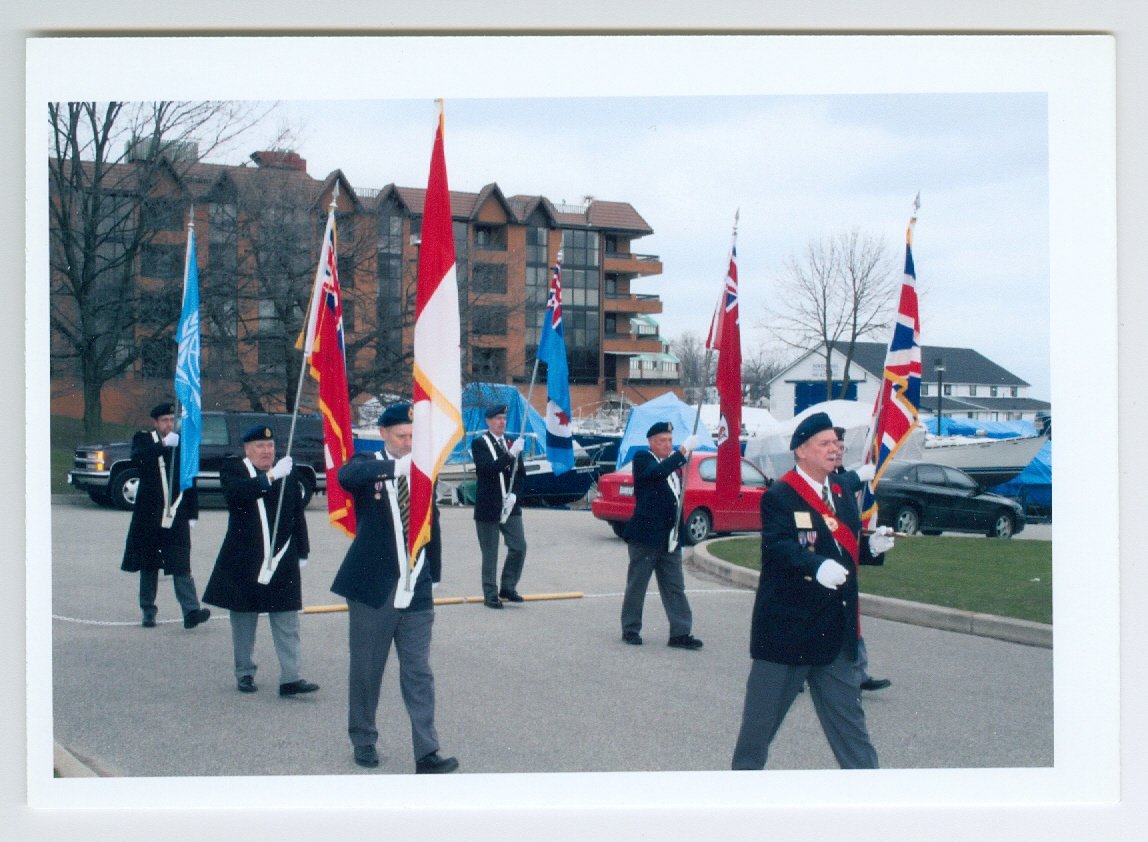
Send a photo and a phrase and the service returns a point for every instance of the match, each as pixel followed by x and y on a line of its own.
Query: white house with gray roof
pixel 972 386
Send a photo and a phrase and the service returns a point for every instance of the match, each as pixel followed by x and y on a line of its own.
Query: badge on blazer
pixel 807 539
pixel 831 522
pixel 802 520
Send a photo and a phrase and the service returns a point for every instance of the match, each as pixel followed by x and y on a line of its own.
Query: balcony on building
pixel 627 263
pixel 629 303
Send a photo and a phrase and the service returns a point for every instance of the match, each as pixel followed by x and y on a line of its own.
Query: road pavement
pixel 546 686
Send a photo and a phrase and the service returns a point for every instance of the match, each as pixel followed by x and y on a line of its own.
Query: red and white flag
pixel 326 358
pixel 437 375
pixel 725 338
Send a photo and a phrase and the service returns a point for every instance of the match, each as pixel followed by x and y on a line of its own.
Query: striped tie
pixel 404 504
pixel 827 497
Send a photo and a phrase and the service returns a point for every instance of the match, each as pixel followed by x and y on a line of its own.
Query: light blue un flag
pixel 187 386
pixel 552 351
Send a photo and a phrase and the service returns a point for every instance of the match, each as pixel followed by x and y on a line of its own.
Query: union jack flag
pixel 552 351
pixel 899 400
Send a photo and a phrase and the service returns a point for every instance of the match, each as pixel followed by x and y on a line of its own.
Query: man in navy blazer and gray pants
pixel 653 538
pixel 368 579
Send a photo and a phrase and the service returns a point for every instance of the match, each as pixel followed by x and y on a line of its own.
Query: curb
pixel 1008 629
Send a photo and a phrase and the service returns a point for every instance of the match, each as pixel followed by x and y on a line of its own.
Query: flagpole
pixel 706 376
pixel 294 415
pixel 530 392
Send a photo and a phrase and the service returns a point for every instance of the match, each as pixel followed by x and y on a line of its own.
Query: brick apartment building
pixel 258 229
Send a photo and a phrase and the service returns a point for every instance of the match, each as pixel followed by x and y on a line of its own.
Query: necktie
pixel 827 497
pixel 404 504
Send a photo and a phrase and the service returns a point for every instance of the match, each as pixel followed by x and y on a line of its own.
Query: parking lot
pixel 542 687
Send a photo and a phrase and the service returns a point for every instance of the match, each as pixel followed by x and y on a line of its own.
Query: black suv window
pixel 215 431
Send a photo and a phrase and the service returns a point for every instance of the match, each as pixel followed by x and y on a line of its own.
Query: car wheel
pixel 123 487
pixel 698 526
pixel 99 497
pixel 618 527
pixel 1002 526
pixel 907 520
pixel 308 483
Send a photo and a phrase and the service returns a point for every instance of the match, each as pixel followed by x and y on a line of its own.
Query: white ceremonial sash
pixel 676 487
pixel 270 562
pixel 169 506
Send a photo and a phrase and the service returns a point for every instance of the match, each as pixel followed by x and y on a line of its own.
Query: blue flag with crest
pixel 187 382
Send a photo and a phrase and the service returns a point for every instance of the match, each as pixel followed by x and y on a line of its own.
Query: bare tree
pixel 757 369
pixel 690 350
pixel 107 164
pixel 838 292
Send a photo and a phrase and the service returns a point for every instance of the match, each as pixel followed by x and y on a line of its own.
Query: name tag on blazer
pixel 803 520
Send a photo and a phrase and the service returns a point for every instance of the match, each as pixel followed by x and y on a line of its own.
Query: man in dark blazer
pixel 157 542
pixel 368 578
pixel 653 538
pixel 805 616
pixel 250 579
pixel 496 508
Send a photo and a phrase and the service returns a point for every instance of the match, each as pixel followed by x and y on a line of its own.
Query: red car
pixel 615 501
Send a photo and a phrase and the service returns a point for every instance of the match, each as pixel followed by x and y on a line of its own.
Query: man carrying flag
pixel 166 506
pixel 437 414
pixel 552 351
pixel 725 338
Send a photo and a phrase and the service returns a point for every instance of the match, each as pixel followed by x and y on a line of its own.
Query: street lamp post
pixel 939 367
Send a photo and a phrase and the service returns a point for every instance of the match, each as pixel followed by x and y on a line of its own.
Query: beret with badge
pixel 808 428
pixel 397 413
pixel 260 432
pixel 659 428
pixel 161 409
pixel 497 409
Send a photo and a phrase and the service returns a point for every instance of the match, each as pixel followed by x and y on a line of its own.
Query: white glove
pixel 866 472
pixel 282 468
pixel 881 541
pixel 171 440
pixel 831 574
pixel 516 446
pixel 192 522
pixel 302 562
pixel 403 466
pixel 691 444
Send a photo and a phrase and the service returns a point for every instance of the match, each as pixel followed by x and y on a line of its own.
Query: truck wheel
pixel 123 487
pixel 308 482
pixel 618 526
pixel 99 496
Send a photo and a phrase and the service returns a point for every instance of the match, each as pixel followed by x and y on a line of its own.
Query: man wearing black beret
pixel 159 537
pixel 496 508
pixel 653 538
pixel 252 577
pixel 368 578
pixel 805 616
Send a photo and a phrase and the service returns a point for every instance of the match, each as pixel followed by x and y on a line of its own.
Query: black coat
pixel 493 474
pixel 655 504
pixel 371 568
pixel 234 581
pixel 149 546
pixel 796 620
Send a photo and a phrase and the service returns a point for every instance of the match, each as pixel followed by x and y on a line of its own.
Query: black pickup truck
pixel 106 472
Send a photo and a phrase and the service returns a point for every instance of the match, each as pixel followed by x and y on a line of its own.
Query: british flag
pixel 898 403
pixel 552 351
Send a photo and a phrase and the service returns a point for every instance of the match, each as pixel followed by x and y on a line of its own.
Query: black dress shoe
pixel 366 756
pixel 148 622
pixel 633 638
pixel 875 683
pixel 247 684
pixel 685 641
pixel 193 618
pixel 294 688
pixel 511 596
pixel 432 764
pixel 492 602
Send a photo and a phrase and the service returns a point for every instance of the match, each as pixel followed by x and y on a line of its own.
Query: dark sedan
pixel 923 497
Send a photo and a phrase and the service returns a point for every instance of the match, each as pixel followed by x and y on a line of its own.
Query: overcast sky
pixel 798 167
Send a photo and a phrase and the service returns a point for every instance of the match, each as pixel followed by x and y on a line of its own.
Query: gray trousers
pixel 667 567
pixel 515 538
pixel 836 692
pixel 285 633
pixel 184 592
pixel 371 631
pixel 863 659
